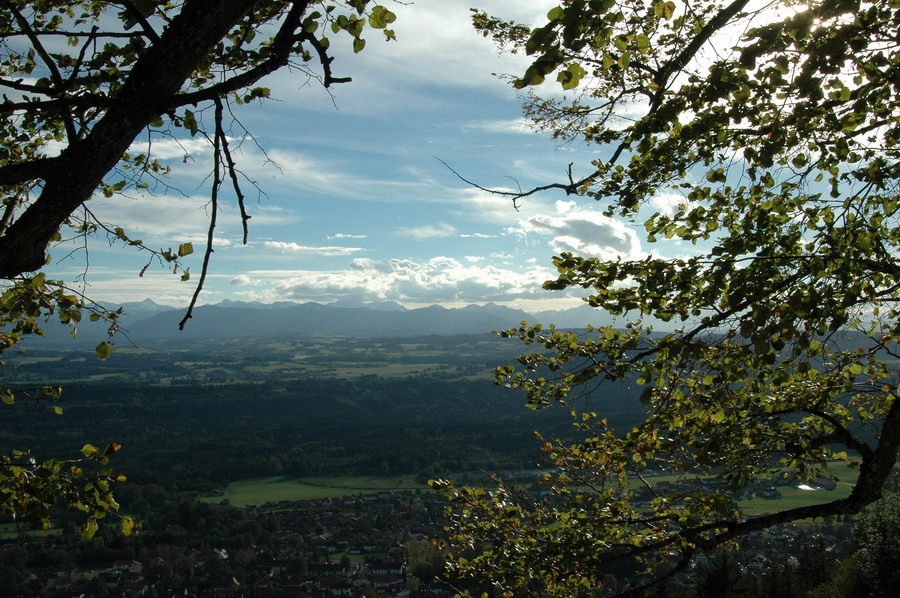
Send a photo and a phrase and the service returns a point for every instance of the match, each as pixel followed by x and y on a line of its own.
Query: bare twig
pixel 232 172
pixel 218 136
pixel 570 188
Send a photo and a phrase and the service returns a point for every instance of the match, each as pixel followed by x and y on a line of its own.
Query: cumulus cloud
pixel 438 280
pixel 429 231
pixel 585 233
pixel 329 251
pixel 241 280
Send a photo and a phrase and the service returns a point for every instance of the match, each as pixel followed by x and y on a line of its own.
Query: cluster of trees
pixel 199 436
pixel 774 126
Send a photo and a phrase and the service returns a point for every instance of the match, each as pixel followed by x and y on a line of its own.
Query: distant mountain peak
pixel 147 305
pixel 374 305
pixel 385 306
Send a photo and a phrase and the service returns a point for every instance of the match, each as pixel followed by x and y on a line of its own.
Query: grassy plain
pixel 792 497
pixel 257 491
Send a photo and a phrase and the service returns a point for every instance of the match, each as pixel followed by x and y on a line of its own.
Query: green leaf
pixel 103 350
pixel 381 17
pixel 557 13
pixel 190 122
pixel 571 77
pixel 89 528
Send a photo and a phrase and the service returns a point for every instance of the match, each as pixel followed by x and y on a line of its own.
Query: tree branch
pixel 232 172
pixel 138 16
pixel 218 136
pixel 22 172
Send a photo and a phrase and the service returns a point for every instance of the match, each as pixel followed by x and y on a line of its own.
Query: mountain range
pixel 147 322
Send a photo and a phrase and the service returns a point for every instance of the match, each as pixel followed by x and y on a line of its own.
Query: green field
pixel 258 491
pixel 792 497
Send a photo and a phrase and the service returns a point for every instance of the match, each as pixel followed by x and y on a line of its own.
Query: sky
pixel 351 199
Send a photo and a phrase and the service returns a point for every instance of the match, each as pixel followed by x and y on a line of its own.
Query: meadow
pixel 258 491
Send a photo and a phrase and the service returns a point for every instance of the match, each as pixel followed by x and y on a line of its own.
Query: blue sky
pixel 357 206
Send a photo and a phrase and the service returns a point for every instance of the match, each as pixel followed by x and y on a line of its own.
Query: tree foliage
pixel 775 126
pixel 81 80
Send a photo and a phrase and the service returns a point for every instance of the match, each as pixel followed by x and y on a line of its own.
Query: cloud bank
pixel 437 280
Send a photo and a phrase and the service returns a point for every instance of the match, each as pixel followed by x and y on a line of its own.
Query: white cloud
pixel 345 236
pixel 515 126
pixel 170 148
pixel 300 174
pixel 488 207
pixel 436 48
pixel 112 285
pixel 669 204
pixel 438 280
pixel 585 233
pixel 164 217
pixel 328 251
pixel 428 231
pixel 477 236
pixel 241 280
